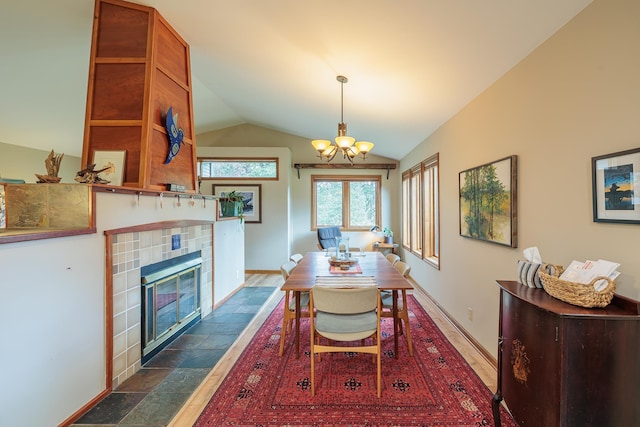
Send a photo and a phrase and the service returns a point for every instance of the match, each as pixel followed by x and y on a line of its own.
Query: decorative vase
pixel 230 208
pixel 388 239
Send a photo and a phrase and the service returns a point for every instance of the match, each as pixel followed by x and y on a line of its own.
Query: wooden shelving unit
pixel 139 67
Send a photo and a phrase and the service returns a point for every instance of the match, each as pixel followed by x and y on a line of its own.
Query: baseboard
pixel 488 356
pixel 80 412
pixel 232 293
pixel 262 272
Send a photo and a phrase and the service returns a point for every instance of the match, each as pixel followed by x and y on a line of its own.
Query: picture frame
pixel 252 204
pixel 488 201
pixel 615 180
pixel 115 161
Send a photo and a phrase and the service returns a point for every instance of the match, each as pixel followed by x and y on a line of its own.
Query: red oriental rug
pixel 436 387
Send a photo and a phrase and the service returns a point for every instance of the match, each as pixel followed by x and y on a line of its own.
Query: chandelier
pixel 347 145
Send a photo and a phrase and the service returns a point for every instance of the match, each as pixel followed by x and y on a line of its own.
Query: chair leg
pixel 379 375
pixel 313 368
pixel 283 334
pixel 405 320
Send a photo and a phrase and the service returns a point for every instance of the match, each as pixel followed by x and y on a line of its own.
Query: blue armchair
pixel 327 237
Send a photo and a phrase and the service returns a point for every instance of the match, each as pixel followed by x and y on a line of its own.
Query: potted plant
pixel 232 204
pixel 388 235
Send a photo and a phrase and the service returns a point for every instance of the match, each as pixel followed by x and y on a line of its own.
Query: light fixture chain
pixel 343 141
pixel 341 101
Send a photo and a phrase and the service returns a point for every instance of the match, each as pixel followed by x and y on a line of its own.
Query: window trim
pixel 275 160
pixel 417 182
pixel 345 180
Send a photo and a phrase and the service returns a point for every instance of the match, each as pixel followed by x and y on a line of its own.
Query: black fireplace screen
pixel 170 302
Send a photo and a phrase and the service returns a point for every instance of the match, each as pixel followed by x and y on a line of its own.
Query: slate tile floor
pixel 153 396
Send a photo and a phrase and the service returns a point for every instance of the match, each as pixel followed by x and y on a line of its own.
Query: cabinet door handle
pixel 557 333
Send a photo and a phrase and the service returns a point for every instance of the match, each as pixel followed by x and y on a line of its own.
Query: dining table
pixel 317 264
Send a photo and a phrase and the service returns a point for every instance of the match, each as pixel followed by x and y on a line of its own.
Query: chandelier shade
pixel 343 143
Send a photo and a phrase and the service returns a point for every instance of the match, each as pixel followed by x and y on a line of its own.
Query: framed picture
pixel 251 203
pixel 488 202
pixel 615 179
pixel 114 161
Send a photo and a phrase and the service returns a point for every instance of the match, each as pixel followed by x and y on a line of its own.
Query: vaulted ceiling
pixel 411 64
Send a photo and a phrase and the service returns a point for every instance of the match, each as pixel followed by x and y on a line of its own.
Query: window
pixel 353 202
pixel 420 211
pixel 238 168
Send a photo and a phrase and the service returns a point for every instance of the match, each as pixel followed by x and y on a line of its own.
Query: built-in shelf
pixel 48 211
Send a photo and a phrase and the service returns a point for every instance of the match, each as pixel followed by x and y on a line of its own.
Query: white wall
pixel 266 244
pixel 23 163
pixel 52 324
pixel 228 255
pixel 254 141
pixel 573 98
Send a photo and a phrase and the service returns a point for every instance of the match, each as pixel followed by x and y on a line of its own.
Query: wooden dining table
pixel 316 264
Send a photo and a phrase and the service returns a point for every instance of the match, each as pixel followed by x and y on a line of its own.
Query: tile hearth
pixel 153 395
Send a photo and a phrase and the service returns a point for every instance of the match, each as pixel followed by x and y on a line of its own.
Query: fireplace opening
pixel 170 301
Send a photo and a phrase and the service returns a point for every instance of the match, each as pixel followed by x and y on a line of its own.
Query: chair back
pixel 296 258
pixel 333 299
pixel 327 236
pixel 393 258
pixel 403 268
pixel 287 268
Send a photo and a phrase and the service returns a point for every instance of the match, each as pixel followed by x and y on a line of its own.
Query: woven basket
pixel 583 295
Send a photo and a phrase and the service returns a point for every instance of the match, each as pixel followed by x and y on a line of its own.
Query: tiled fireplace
pixel 131 252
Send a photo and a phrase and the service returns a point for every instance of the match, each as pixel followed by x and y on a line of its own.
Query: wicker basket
pixel 583 295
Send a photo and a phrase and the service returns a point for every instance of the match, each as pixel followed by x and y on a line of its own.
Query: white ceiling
pixel 411 64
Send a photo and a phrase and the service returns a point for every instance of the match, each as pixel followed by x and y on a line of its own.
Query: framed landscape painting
pixel 251 203
pixel 615 184
pixel 488 202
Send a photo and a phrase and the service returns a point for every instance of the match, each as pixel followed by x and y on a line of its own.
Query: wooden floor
pixel 197 402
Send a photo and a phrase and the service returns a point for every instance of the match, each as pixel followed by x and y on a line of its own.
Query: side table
pixel 386 248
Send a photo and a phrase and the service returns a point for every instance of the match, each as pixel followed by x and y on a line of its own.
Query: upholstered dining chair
pixel 296 258
pixel 290 304
pixel 392 258
pixel 403 312
pixel 403 268
pixel 327 237
pixel 345 315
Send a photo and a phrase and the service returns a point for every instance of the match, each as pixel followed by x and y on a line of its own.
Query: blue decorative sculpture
pixel 175 135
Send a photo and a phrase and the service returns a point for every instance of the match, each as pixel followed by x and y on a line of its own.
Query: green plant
pixel 232 204
pixel 387 232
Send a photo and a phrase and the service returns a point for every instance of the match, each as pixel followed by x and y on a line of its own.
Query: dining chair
pixel 296 258
pixel 345 315
pixel 289 307
pixel 403 268
pixel 403 312
pixel 392 258
pixel 327 236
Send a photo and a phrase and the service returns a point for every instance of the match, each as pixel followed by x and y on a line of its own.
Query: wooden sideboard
pixel 563 365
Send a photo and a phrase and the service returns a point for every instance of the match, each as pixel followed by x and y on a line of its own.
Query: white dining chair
pixel 345 315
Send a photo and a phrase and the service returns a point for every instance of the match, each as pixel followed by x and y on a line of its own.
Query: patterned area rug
pixel 436 387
